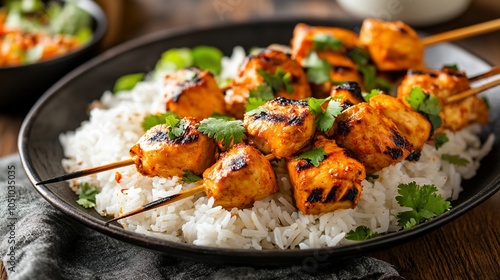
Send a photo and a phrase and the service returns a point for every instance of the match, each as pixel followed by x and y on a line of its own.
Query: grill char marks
pixel 237 163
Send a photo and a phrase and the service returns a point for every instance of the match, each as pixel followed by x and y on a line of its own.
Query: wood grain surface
pixel 466 248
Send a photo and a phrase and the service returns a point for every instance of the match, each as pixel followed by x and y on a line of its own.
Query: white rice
pixel 271 223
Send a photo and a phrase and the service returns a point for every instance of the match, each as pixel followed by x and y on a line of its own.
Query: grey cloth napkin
pixel 50 245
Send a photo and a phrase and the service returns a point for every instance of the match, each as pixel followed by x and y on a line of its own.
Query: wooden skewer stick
pixel 492 72
pixel 103 168
pixel 472 91
pixel 169 199
pixel 89 171
pixel 461 33
pixel 161 202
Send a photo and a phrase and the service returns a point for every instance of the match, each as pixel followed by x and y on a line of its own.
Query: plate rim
pixel 207 253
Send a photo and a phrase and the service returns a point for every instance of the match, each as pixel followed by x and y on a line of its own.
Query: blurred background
pixel 131 18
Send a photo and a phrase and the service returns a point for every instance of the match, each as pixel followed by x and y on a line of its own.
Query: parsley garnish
pixel 324 118
pixel 323 41
pixel 127 82
pixel 280 79
pixel 440 139
pixel 152 120
pixel 189 177
pixel 230 132
pixel 425 202
pixel 87 195
pixel 315 156
pixel 427 104
pixel 318 70
pixel 361 233
pixel 455 159
pixel 367 96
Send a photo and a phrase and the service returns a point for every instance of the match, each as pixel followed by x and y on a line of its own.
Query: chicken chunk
pixel 248 78
pixel 443 84
pixel 281 126
pixel 415 127
pixel 156 154
pixel 193 93
pixel 343 69
pixel 241 176
pixel 303 43
pixel 373 139
pixel 393 46
pixel 334 184
pixel 348 94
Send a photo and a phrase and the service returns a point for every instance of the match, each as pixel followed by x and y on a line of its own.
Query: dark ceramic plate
pixel 64 107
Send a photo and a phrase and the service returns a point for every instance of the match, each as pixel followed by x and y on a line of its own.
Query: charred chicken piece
pixel 348 94
pixel 249 78
pixel 241 176
pixel 443 84
pixel 193 93
pixel 334 184
pixel 415 127
pixel 373 139
pixel 155 154
pixel 281 126
pixel 393 46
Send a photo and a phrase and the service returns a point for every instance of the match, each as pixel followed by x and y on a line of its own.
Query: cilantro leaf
pixel 315 104
pixel 177 129
pixel 174 59
pixel 455 159
pixel 452 67
pixel 262 91
pixel 367 96
pixel 486 103
pixel 207 58
pixel 318 70
pixel 323 41
pixel 280 79
pixel 425 202
pixel 359 56
pixel 315 156
pixel 440 139
pixel 151 120
pixel 127 82
pixel 258 96
pixel 427 104
pixel 230 132
pixel 326 119
pixel 190 177
pixel 256 111
pixel 361 233
pixel 87 195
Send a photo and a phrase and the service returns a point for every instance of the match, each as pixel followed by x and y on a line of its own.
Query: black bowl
pixel 22 85
pixel 64 107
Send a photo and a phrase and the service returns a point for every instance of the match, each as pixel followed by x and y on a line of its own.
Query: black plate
pixel 64 107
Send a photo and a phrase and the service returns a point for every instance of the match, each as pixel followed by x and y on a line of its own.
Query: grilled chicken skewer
pixel 240 177
pixel 261 133
pixel 394 46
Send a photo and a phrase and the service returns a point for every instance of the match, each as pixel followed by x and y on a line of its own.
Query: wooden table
pixel 467 248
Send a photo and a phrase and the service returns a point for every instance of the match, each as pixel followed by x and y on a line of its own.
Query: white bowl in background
pixel 412 12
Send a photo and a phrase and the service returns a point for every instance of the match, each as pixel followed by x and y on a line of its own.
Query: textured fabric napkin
pixel 49 245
